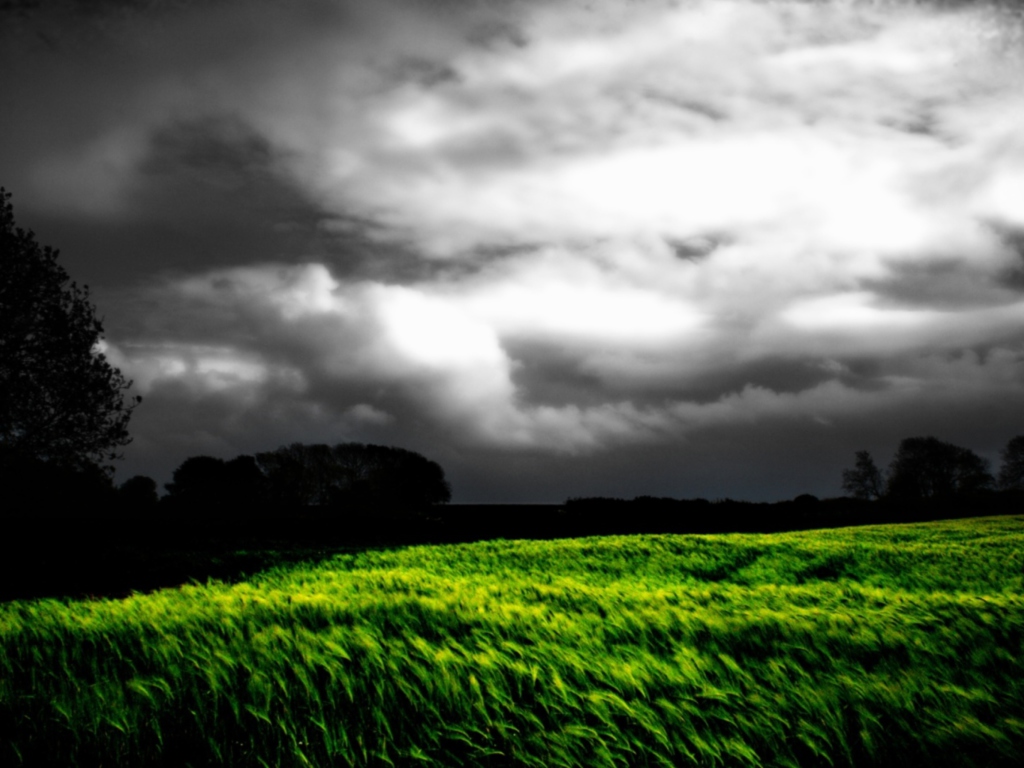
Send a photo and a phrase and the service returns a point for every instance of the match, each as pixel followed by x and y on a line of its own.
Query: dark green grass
pixel 877 646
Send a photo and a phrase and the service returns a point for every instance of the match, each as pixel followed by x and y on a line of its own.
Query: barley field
pixel 875 646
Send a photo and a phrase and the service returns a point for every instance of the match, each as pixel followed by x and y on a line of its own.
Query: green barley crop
pixel 876 646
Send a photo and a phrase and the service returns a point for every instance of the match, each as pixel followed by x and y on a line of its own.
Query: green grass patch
pixel 875 646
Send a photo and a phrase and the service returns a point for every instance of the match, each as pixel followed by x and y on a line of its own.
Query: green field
pixel 876 646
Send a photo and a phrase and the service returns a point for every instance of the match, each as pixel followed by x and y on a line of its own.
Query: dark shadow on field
pixel 115 556
pixel 125 551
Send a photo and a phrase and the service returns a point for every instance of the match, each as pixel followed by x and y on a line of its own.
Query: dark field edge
pixel 78 556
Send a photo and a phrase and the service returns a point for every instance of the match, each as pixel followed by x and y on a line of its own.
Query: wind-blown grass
pixel 877 646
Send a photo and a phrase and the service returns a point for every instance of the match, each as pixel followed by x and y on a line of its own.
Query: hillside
pixel 874 646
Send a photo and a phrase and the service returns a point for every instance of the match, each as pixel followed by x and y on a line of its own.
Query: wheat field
pixel 875 646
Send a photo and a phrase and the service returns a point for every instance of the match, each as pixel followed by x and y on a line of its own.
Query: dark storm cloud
pixel 648 245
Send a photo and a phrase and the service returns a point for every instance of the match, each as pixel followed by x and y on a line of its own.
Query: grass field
pixel 875 646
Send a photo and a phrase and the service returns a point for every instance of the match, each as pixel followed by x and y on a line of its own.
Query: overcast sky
pixel 693 248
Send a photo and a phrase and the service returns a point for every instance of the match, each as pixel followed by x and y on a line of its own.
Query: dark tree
pixel 233 487
pixel 299 475
pixel 927 468
pixel 1011 474
pixel 352 474
pixel 60 400
pixel 137 493
pixel 394 476
pixel 243 483
pixel 30 484
pixel 197 480
pixel 865 480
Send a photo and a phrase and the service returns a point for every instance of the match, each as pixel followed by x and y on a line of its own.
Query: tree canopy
pixel 352 474
pixel 346 475
pixel 205 481
pixel 60 399
pixel 928 468
pixel 865 480
pixel 1011 474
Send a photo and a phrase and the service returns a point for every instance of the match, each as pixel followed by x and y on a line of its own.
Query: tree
pixel 384 475
pixel 234 486
pixel 865 480
pixel 300 475
pixel 60 400
pixel 137 493
pixel 1011 474
pixel 196 479
pixel 33 485
pixel 927 468
pixel 352 475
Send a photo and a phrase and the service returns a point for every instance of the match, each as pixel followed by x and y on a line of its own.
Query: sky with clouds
pixel 564 248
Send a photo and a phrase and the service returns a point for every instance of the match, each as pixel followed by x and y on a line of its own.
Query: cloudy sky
pixel 677 247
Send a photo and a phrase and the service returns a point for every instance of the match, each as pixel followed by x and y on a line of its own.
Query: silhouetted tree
pixel 233 487
pixel 244 482
pixel 60 400
pixel 299 475
pixel 352 474
pixel 195 479
pixel 137 493
pixel 30 484
pixel 865 480
pixel 1011 474
pixel 927 468
pixel 386 475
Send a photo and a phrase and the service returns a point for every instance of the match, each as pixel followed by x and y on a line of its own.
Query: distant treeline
pixel 77 533
pixel 359 492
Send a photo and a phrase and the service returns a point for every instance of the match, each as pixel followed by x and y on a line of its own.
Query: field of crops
pixel 876 646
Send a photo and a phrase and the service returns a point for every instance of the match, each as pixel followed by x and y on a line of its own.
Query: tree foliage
pixel 352 474
pixel 204 481
pixel 1011 474
pixel 30 484
pixel 928 468
pixel 301 475
pixel 138 492
pixel 865 480
pixel 60 399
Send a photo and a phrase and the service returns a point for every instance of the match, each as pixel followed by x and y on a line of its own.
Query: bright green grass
pixel 877 646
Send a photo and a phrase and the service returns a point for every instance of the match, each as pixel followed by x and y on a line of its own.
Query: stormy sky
pixel 697 248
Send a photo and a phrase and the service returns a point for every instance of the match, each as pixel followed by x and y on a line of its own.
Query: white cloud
pixel 442 349
pixel 858 324
pixel 608 294
pixel 603 129
pixel 368 414
pixel 202 369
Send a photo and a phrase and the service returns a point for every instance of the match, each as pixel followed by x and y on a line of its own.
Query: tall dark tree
pixel 60 399
pixel 1011 474
pixel 930 469
pixel 865 480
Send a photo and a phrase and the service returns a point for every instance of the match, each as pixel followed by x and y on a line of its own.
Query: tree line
pixel 926 468
pixel 927 479
pixel 330 478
